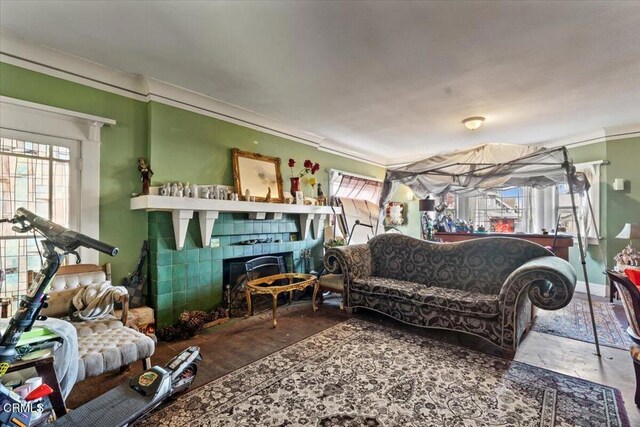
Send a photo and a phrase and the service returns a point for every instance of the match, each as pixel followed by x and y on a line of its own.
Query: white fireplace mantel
pixel 182 209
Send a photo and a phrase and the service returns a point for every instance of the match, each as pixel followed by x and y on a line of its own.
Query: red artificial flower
pixel 292 163
pixel 308 164
pixel 315 168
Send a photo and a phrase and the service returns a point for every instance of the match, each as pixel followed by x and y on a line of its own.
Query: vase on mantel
pixel 295 186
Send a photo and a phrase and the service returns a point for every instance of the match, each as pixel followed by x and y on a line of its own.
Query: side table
pixel 44 368
pixel 264 285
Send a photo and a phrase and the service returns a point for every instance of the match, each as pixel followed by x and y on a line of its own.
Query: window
pixel 564 207
pixel 345 185
pixel 37 176
pixel 530 210
pixel 501 211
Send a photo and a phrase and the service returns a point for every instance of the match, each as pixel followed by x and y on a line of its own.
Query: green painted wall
pixel 187 146
pixel 121 146
pixel 595 264
pixel 622 206
pixel 616 207
pixel 181 146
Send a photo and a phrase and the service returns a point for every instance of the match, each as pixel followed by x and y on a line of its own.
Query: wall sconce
pixel 410 196
pixel 618 184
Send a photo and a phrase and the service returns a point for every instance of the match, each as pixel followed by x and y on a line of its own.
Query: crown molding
pixel 601 135
pixel 48 61
pixel 335 148
pixel 166 93
pixel 52 62
pixel 622 132
pixel 575 140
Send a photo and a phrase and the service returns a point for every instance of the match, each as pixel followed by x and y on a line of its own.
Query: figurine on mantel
pixel 145 175
pixel 322 199
pixel 268 198
pixel 205 192
pixel 187 190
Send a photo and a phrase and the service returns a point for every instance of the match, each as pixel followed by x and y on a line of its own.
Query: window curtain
pixel 353 187
pixel 358 197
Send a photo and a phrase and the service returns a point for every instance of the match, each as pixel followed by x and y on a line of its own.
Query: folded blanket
pixel 66 357
pixel 95 301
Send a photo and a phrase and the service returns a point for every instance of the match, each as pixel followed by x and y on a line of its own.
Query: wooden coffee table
pixel 264 285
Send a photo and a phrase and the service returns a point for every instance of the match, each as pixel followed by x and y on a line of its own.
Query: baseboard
pixel 596 288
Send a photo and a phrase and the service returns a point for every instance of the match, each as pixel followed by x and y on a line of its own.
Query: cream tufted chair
pixel 105 344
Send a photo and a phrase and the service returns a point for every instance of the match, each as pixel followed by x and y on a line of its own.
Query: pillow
pixel 634 275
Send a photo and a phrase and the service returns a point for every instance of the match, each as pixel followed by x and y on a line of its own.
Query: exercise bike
pixel 120 406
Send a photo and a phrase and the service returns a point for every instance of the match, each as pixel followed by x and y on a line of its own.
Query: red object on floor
pixel 39 392
pixel 634 275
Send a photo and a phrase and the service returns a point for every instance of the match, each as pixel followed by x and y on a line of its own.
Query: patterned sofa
pixel 482 287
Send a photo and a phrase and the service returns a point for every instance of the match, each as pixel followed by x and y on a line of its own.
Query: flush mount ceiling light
pixel 473 123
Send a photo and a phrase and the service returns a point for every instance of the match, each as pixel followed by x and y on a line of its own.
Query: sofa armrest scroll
pixel 354 262
pixel 549 281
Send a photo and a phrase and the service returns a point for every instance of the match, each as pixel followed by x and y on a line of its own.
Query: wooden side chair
pixel 332 283
pixel 630 296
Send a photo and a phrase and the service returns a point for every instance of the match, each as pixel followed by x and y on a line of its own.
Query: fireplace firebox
pixel 235 277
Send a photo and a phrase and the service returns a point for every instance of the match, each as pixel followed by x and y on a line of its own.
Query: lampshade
pixel 630 231
pixel 427 205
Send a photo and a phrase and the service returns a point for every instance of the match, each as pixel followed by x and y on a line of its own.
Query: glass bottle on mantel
pixel 322 200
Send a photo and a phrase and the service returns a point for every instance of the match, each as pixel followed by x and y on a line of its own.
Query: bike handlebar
pixel 62 237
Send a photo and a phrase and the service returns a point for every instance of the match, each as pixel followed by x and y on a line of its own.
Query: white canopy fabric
pixel 484 167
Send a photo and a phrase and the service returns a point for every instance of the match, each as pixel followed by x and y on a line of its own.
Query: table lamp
pixel 428 208
pixel 629 255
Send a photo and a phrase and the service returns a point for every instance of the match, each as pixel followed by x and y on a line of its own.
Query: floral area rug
pixel 361 374
pixel 574 321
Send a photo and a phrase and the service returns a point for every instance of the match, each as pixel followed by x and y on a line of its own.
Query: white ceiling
pixel 387 79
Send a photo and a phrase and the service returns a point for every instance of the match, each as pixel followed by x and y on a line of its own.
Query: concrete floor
pixel 242 341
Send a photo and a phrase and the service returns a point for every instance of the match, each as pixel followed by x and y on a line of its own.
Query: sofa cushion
pixel 452 300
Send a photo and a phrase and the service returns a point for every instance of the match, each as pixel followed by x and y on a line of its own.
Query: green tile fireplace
pixel 192 278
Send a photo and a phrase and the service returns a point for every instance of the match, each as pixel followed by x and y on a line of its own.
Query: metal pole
pixel 583 261
pixel 595 226
pixel 555 234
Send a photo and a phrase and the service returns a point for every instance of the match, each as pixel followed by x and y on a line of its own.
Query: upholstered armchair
pixel 630 296
pixel 104 344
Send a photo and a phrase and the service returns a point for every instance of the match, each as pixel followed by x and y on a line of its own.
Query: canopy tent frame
pixel 408 177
